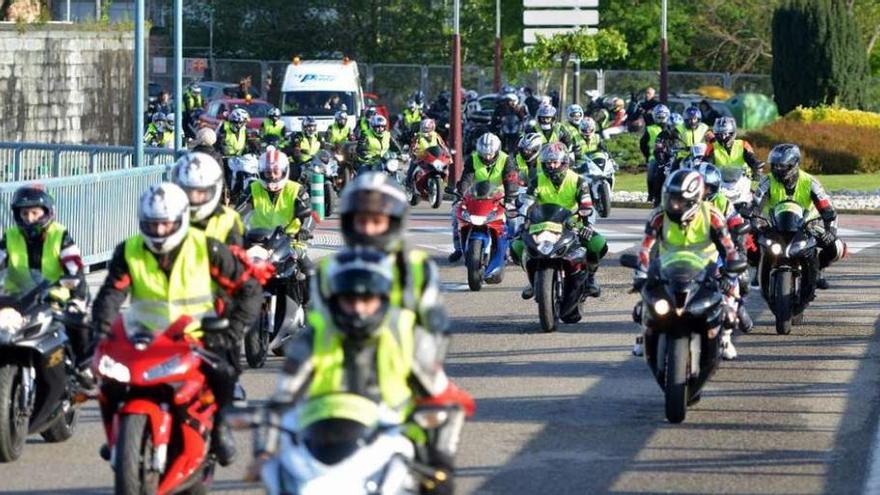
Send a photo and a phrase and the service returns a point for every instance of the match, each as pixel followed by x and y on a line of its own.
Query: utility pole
pixel 138 158
pixel 456 91
pixel 497 46
pixel 664 55
pixel 178 76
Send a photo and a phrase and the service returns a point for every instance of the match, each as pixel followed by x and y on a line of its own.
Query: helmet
pixel 195 88
pixel 412 105
pixel 660 114
pixel 508 89
pixel 274 169
pixel 158 118
pixel 471 95
pixel 692 117
pixel 575 113
pixel 378 124
pixel 353 272
pixel 309 126
pixel 274 113
pixel 369 112
pixel 588 126
pixel 488 145
pixel 546 114
pixel 427 126
pixel 340 117
pixel 238 117
pixel 554 161
pixel 31 196
pixel 419 97
pixel 617 104
pixel 206 137
pixel 165 202
pixel 443 97
pixel 169 120
pixel 676 119
pixel 376 193
pixel 682 194
pixel 725 130
pixel 511 98
pixel 785 161
pixel 711 179
pixel 529 145
pixel 199 172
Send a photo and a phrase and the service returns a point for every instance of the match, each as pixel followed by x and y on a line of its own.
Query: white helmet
pixel 274 169
pixel 165 202
pixel 199 172
pixel 488 146
pixel 206 136
pixel 575 113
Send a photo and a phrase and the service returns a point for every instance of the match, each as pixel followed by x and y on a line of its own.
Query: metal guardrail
pixel 37 161
pixel 99 210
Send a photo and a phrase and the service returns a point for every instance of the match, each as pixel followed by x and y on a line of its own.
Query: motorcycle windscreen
pixel 15 286
pixel 334 425
pixel 731 174
pixel 548 213
pixel 486 190
pixel 257 236
pixel 788 217
pixel 436 152
pixel 510 124
pixel 681 269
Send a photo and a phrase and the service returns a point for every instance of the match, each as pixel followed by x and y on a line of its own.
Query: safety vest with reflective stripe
pixel 337 134
pixel 268 215
pixel 565 196
pixel 233 142
pixel 158 299
pixel 723 204
pixel 696 237
pixel 376 146
pixel 590 145
pixel 411 118
pixel 523 166
pixel 554 135
pixel 653 131
pixel 270 128
pixel 424 142
pixel 482 172
pixel 693 136
pixel 395 347
pixel 308 147
pixel 802 194
pixel 192 101
pixel 736 157
pixel 219 226
pixel 18 276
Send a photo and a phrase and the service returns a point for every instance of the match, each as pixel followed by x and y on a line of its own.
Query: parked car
pixel 679 102
pixel 372 100
pixel 220 107
pixel 153 90
pixel 212 90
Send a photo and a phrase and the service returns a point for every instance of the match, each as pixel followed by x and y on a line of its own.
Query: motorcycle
pixel 37 384
pixel 345 171
pixel 272 330
pixel 393 164
pixel 481 219
pixel 736 186
pixel 695 155
pixel 599 168
pixel 555 263
pixel 682 311
pixel 510 131
pixel 325 165
pixel 789 264
pixel 157 408
pixel 428 178
pixel 243 170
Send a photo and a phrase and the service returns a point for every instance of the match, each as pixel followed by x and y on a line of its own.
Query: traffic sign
pixel 561 17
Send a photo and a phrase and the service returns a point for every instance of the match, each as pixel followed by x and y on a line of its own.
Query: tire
pixel 677 357
pixel 134 450
pixel 782 302
pixel 435 192
pixel 546 297
pixel 63 428
pixel 256 343
pixel 412 195
pixel 474 262
pixel 329 199
pixel 603 206
pixel 13 427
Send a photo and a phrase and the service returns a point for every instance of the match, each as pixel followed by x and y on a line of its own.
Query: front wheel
pixel 63 428
pixel 783 300
pixel 13 420
pixel 435 192
pixel 256 342
pixel 677 357
pixel 603 203
pixel 546 297
pixel 474 262
pixel 134 453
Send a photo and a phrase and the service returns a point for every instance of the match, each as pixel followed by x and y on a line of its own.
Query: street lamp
pixel 664 55
pixel 456 93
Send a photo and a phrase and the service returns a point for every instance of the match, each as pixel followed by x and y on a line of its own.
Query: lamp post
pixel 456 92
pixel 497 46
pixel 178 75
pixel 138 158
pixel 664 55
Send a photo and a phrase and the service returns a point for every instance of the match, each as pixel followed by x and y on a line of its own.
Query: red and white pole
pixel 455 116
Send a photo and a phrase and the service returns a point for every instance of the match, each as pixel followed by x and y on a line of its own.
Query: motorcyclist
pixel 591 141
pixel 192 101
pixel 787 181
pixel 551 131
pixel 273 126
pixel 694 131
pixel 339 132
pixel 648 144
pixel 201 178
pixel 684 222
pixel 426 137
pixel 531 102
pixel 556 184
pixel 232 134
pixel 305 146
pixel 158 133
pixel 37 242
pixel 726 151
pixel 171 270
pixel 486 163
pixel 390 359
pixel 440 109
pixel 508 104
pixel 574 115
pixel 418 96
pixel 363 124
pixel 410 119
pixel 526 157
pixel 374 143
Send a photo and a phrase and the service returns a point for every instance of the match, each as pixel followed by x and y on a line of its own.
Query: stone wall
pixel 60 84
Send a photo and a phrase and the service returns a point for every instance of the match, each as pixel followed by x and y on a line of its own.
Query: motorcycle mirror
pixel 737 266
pixel 629 260
pixel 215 324
pixel 741 229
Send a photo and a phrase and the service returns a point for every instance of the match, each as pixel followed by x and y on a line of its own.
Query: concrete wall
pixel 62 85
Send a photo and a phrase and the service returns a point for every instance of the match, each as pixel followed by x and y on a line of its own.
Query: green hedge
pixel 625 150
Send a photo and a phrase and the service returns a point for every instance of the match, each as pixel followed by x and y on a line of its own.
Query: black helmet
pixel 711 179
pixel 31 196
pixel 374 192
pixel 359 271
pixel 551 154
pixel 785 161
pixel 682 194
pixel 419 97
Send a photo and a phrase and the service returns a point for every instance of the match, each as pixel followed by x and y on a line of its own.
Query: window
pixel 316 102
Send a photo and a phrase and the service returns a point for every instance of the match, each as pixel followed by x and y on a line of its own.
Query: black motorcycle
pixel 789 264
pixel 37 384
pixel 275 327
pixel 682 310
pixel 510 130
pixel 555 263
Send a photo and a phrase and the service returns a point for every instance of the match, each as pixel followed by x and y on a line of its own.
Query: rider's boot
pixel 222 442
pixel 822 282
pixel 728 351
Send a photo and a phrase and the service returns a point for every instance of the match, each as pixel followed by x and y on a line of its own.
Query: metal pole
pixel 664 55
pixel 178 75
pixel 576 85
pixel 456 92
pixel 68 10
pixel 139 84
pixel 497 46
pixel 211 41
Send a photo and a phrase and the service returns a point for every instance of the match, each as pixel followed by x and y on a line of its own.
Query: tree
pixel 639 23
pixel 733 36
pixel 818 56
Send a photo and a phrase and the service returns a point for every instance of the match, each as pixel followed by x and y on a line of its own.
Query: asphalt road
pixel 574 412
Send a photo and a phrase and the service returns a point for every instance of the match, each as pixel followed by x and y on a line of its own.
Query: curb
pixel 647 206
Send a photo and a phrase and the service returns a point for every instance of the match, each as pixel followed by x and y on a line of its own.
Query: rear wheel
pixel 256 342
pixel 782 302
pixel 474 262
pixel 435 193
pixel 546 297
pixel 134 455
pixel 603 203
pixel 64 427
pixel 329 199
pixel 677 357
pixel 13 420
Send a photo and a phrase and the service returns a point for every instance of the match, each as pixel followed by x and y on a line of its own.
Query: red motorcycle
pixel 481 219
pixel 157 409
pixel 430 174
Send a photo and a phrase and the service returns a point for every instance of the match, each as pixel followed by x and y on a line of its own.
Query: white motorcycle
pixel 599 168
pixel 736 186
pixel 243 169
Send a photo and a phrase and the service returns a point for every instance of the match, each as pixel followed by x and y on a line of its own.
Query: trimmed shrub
pixel 834 115
pixel 625 150
pixel 828 148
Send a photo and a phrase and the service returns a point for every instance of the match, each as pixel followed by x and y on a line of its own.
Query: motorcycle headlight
pixel 114 370
pixel 11 320
pixel 545 248
pixel 392 165
pixel 661 307
pixel 776 249
pixel 477 219
pixel 258 253
pixel 546 241
pixel 173 366
pixel 438 165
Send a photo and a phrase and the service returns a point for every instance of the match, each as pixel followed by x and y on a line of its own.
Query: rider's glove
pixel 638 283
pixel 585 233
pixel 303 235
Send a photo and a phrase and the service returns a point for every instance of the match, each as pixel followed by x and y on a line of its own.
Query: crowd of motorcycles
pixel 682 302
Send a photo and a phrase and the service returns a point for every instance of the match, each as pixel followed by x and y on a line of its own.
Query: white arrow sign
pixel 560 17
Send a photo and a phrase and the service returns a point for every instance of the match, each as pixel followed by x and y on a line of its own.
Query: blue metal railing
pixel 35 161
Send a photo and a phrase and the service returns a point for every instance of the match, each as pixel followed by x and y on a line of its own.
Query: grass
pixel 854 182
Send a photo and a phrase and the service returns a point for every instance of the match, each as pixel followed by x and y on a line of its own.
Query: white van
pixel 318 88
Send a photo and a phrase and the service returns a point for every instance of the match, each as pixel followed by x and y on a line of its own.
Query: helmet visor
pixel 159 228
